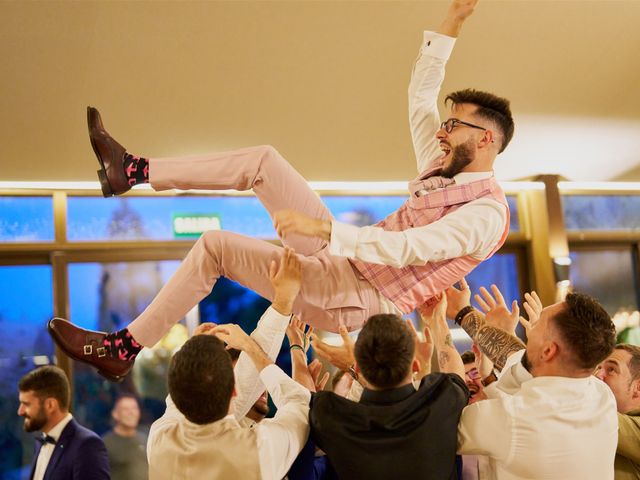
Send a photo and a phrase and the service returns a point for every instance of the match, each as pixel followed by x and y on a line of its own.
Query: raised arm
pixel 449 359
pixel 426 79
pixel 493 341
pixel 285 277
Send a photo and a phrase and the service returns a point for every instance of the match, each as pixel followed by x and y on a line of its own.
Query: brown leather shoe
pixel 110 153
pixel 87 346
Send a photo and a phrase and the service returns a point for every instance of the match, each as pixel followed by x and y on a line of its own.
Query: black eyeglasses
pixel 452 123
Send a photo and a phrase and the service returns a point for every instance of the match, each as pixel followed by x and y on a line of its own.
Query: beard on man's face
pixel 35 423
pixel 461 156
pixel 526 363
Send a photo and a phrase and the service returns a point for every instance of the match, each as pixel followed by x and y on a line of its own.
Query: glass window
pixel 151 218
pixel 608 275
pixel 107 297
pixel 601 212
pixel 26 219
pixel 26 305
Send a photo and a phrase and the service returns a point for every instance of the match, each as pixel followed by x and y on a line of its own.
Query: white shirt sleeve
pixel 426 79
pixel 473 229
pixel 171 416
pixel 281 438
pixel 269 334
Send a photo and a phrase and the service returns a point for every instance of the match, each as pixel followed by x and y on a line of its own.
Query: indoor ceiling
pixel 323 81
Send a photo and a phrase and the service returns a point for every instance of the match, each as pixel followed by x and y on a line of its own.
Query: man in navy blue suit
pixel 64 450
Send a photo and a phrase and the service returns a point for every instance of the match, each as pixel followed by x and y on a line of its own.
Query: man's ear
pixel 487 139
pixel 50 405
pixel 415 366
pixel 635 389
pixel 550 351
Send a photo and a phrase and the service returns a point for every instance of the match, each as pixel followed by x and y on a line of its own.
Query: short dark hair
pixel 123 395
pixel 468 357
pixel 201 379
pixel 45 382
pixel 634 361
pixel 490 107
pixel 384 350
pixel 587 329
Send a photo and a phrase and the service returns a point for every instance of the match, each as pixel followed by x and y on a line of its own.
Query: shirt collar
pixel 56 431
pixel 467 177
pixel 392 395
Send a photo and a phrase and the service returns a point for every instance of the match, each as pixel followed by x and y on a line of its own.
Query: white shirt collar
pixel 467 177
pixel 56 431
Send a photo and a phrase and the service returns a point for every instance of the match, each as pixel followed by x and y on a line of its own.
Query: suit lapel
pixel 38 446
pixel 65 437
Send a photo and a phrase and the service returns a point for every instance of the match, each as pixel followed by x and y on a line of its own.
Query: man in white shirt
pixel 456 217
pixel 547 416
pixel 65 450
pixel 199 436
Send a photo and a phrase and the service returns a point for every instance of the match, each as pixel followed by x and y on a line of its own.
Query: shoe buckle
pixel 102 352
pixel 88 349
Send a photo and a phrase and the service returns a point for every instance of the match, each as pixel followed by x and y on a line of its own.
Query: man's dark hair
pixel 587 330
pixel 123 395
pixel 468 357
pixel 234 353
pixel 490 107
pixel 384 350
pixel 634 361
pixel 201 379
pixel 48 382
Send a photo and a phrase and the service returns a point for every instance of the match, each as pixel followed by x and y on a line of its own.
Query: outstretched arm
pixel 449 359
pixel 426 80
pixel 495 342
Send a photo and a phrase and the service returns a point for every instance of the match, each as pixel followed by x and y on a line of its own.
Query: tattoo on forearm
pixel 443 359
pixel 448 341
pixel 497 344
pixel 472 322
pixel 494 342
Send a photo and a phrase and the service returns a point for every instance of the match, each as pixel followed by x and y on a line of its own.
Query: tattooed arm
pixel 449 359
pixel 494 342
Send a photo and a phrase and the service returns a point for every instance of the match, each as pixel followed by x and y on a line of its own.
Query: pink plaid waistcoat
pixel 411 286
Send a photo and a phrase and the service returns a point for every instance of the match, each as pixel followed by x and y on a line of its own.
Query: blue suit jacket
pixel 79 454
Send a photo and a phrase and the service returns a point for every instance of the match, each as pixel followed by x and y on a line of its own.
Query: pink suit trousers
pixel 332 290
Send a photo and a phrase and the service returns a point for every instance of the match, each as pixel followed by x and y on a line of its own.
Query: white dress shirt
pixel 473 229
pixel 542 427
pixel 46 451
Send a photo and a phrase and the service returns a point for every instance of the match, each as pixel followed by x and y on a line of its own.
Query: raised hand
pixel 424 348
pixel 458 298
pixel 233 336
pixel 319 381
pixel 458 12
pixel 286 278
pixel 533 307
pixel 342 356
pixel 290 221
pixel 297 334
pixel 497 313
pixel 205 328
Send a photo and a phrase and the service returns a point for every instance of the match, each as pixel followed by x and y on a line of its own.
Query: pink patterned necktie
pixel 433 183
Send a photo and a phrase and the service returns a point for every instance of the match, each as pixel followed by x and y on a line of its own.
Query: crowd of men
pixel 565 405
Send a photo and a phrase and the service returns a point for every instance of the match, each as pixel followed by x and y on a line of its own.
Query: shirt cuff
pixel 344 238
pixel 274 319
pixel 437 45
pixel 272 376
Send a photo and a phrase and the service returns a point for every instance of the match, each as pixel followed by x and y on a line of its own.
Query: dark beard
pixel 526 363
pixel 34 424
pixel 461 156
